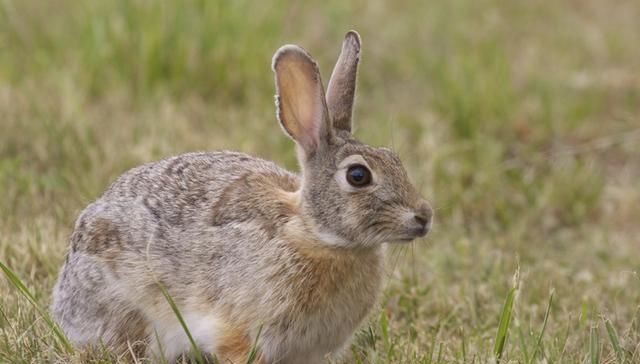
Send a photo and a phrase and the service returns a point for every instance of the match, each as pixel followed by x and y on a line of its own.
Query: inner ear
pixel 300 101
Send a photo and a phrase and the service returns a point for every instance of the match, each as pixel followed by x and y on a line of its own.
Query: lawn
pixel 518 120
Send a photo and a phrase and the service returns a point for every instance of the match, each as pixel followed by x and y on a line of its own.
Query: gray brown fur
pixel 241 243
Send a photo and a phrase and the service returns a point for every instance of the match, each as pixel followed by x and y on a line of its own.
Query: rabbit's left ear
pixel 342 85
pixel 300 100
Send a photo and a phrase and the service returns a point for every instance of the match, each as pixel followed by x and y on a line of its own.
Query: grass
pixel 62 342
pixel 505 320
pixel 518 120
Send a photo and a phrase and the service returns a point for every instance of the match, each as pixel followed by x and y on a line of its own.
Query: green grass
pixel 518 120
pixel 505 320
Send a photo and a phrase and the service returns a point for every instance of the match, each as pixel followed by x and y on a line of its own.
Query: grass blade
pixel 176 311
pixel 163 358
pixel 594 345
pixel 544 326
pixel 432 349
pixel 615 341
pixel 505 318
pixel 503 326
pixel 523 345
pixel 464 347
pixel 62 341
pixel 384 326
pixel 253 354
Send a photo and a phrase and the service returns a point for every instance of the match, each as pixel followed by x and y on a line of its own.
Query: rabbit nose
pixel 423 216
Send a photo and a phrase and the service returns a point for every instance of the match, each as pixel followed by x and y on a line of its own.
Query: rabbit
pixel 248 251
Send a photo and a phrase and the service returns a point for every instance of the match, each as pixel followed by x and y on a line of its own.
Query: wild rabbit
pixel 241 244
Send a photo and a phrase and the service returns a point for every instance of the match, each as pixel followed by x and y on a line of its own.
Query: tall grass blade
pixel 615 341
pixel 505 318
pixel 464 347
pixel 544 326
pixel 503 326
pixel 594 345
pixel 431 350
pixel 176 311
pixel 163 358
pixel 523 344
pixel 384 326
pixel 253 354
pixel 62 342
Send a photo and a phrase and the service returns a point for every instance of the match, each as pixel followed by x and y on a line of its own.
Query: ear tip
pixel 354 38
pixel 290 51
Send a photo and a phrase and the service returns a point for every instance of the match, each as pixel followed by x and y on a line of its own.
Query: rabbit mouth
pixel 406 240
pixel 416 224
pixel 414 233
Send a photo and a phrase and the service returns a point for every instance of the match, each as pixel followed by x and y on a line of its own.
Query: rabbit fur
pixel 242 245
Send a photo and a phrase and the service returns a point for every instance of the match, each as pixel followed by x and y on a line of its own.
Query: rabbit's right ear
pixel 342 84
pixel 300 100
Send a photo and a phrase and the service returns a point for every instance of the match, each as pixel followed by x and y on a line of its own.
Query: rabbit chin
pixel 333 239
pixel 409 235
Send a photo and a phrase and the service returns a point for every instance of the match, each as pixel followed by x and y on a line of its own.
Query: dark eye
pixel 358 175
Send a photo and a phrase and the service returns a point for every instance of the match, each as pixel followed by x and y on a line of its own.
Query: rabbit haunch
pixel 242 245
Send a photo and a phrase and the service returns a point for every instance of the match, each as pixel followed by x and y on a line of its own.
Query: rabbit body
pixel 222 232
pixel 248 251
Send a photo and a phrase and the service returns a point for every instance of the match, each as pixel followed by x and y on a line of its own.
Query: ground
pixel 519 121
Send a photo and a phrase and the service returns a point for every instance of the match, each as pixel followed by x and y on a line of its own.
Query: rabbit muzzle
pixel 418 222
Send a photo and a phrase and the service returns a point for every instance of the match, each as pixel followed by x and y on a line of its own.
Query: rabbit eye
pixel 358 176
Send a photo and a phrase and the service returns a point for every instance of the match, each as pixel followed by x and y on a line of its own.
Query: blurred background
pixel 519 120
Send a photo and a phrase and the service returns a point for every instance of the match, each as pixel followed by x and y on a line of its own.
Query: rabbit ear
pixel 342 85
pixel 300 102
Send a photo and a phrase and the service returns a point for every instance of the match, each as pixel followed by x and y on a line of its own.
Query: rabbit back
pixel 172 221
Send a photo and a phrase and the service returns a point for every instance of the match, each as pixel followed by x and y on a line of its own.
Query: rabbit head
pixel 353 194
